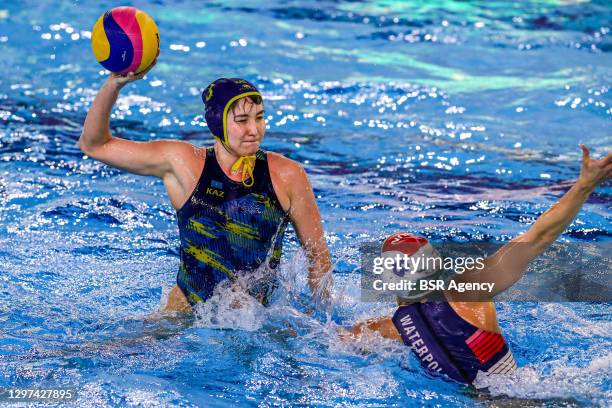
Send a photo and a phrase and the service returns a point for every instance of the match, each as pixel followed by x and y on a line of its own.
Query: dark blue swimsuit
pixel 447 344
pixel 227 229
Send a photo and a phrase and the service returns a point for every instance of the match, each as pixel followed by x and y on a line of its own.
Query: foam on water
pixel 557 380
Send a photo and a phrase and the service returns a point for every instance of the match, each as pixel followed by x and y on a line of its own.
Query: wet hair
pixel 254 99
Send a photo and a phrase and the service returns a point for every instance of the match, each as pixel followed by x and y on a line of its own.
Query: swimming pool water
pixel 457 120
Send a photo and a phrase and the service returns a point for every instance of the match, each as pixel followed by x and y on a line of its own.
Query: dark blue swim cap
pixel 218 97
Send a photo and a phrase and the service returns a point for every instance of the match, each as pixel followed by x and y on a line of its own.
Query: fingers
pixel 585 153
pixel 603 162
pixel 143 73
pixel 133 76
pixel 139 75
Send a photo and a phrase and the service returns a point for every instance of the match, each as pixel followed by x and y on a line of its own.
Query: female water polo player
pixel 460 338
pixel 232 200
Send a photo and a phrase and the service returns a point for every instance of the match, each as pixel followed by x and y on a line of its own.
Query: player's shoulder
pixel 287 175
pixel 284 165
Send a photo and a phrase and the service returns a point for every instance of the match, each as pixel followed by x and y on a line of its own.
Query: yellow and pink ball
pixel 125 39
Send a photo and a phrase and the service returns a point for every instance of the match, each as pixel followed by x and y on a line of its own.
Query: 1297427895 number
pixel 37 394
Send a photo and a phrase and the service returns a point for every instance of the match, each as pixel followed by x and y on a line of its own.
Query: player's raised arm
pixel 509 263
pixel 155 158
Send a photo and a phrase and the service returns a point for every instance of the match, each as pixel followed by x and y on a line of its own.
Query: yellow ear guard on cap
pixel 247 162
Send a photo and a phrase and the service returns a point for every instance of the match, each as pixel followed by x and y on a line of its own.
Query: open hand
pixel 594 172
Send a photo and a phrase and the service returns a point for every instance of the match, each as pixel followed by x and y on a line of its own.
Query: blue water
pixel 453 119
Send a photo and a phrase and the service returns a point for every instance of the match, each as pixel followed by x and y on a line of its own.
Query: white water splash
pixel 231 307
pixel 562 382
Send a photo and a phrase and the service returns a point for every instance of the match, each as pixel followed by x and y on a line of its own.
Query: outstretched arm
pixel 510 262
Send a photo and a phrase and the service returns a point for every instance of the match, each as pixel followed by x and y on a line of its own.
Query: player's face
pixel 245 127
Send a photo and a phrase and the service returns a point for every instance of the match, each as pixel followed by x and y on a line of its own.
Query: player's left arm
pixel 306 219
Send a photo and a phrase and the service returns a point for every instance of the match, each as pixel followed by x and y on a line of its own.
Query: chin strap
pixel 247 163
